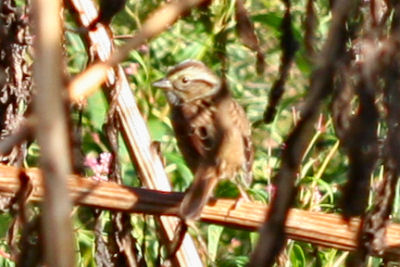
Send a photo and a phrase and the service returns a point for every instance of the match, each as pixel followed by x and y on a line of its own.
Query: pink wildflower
pixel 100 166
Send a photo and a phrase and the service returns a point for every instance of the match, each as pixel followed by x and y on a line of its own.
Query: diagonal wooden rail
pixel 319 228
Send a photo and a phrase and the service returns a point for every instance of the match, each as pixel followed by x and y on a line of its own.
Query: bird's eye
pixel 184 79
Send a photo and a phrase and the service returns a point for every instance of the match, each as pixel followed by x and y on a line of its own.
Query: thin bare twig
pixel 19 135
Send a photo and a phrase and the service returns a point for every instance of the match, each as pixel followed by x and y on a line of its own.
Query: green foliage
pixel 323 168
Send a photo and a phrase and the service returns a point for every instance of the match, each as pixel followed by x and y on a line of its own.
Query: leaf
pixel 214 234
pixel 97 105
pixel 184 171
pixel 241 261
pixel 297 257
pixel 274 21
pixel 247 34
pixel 245 27
pixel 254 236
pixel 259 194
pixel 5 220
pixel 158 129
pixel 192 50
pixel 77 53
pixel 136 56
pixel 270 19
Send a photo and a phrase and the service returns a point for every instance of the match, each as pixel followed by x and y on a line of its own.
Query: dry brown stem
pixel 52 134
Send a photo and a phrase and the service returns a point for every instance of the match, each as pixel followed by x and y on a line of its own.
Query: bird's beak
pixel 163 84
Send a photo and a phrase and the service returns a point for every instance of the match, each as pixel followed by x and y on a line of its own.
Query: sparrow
pixel 211 128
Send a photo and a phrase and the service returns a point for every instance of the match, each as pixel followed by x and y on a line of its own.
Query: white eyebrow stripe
pixel 196 73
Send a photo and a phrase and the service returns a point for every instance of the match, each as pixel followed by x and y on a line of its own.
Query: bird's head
pixel 188 81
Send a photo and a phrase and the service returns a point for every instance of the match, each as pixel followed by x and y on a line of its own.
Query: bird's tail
pixel 205 180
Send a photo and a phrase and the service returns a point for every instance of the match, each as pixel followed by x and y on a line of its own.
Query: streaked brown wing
pixel 195 132
pixel 203 130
